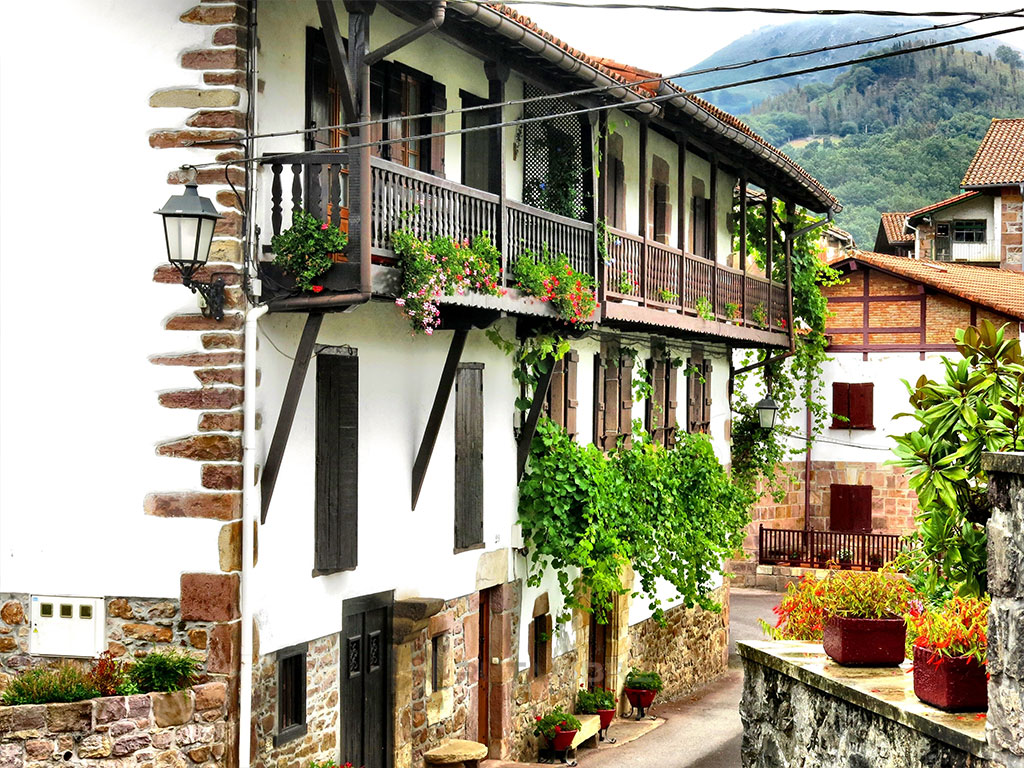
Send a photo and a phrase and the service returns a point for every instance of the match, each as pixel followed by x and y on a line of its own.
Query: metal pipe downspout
pixel 434 22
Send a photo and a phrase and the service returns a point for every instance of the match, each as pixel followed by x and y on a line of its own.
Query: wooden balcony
pixel 814 549
pixel 648 282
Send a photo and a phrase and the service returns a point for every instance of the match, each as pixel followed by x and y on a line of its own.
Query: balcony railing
pixel 975 252
pixel 867 551
pixel 662 277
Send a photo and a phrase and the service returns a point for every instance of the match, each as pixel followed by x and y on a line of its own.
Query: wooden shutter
pixel 611 399
pixel 469 456
pixel 706 398
pixel 692 395
pixel 626 399
pixel 318 86
pixel 599 407
pixel 862 406
pixel 671 402
pixel 850 508
pixel 839 508
pixel 700 226
pixel 556 395
pixel 337 460
pixel 571 359
pixel 438 103
pixel 840 404
pixel 378 88
pixel 656 402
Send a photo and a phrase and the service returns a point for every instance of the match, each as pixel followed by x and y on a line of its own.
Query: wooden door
pixel 483 700
pixel 366 724
pixel 943 250
pixel 596 667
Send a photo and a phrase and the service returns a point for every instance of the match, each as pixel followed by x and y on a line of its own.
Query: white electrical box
pixel 67 626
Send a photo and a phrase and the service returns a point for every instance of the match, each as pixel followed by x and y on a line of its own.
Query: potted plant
pixel 307 249
pixel 950 653
pixel 796 557
pixel 641 688
pixel 600 702
pixel 863 617
pixel 875 560
pixel 824 555
pixel 777 555
pixel 845 558
pixel 558 727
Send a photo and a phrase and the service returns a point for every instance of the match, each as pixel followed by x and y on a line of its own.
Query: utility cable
pixel 617 105
pixel 608 6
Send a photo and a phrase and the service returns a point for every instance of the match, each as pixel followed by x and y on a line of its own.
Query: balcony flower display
pixel 552 278
pixel 307 249
pixel 950 654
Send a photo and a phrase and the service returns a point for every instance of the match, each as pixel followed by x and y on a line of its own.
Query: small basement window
pixel 291 694
pixel 541 646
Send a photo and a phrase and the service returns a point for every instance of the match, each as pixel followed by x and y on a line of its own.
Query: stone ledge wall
pixel 154 730
pixel 788 723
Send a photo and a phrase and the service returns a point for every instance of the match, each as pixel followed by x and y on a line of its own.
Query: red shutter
pixel 860 508
pixel 599 407
pixel 839 508
pixel 862 406
pixel 572 358
pixel 671 403
pixel 840 404
pixel 626 399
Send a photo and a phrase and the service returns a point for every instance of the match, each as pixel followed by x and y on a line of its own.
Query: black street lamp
pixel 189 221
pixel 766 411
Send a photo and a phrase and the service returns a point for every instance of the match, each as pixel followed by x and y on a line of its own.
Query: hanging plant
pixel 307 249
pixel 552 278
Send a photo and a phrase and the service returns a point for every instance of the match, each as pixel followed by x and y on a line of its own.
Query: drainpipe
pixel 917 242
pixel 250 502
pixel 434 22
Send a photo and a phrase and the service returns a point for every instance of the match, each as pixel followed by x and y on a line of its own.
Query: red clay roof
pixel 943 204
pixel 1000 157
pixel 893 224
pixel 628 75
pixel 997 289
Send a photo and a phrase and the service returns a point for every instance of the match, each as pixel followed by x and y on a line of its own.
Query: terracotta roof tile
pixel 1000 157
pixel 999 289
pixel 893 223
pixel 943 204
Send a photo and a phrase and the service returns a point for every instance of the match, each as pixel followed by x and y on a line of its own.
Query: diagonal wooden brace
pixel 530 425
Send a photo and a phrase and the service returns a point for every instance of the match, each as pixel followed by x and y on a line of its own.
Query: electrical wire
pixel 620 105
pixel 608 6
pixel 619 86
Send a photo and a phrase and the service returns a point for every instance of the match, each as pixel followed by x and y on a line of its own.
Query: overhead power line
pixel 606 6
pixel 617 105
pixel 620 86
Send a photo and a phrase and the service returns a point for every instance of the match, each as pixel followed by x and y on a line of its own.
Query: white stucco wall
pixel 79 313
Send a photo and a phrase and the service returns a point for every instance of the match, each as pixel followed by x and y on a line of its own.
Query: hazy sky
pixel 671 41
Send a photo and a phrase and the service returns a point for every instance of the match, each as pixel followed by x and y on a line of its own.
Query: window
pixel 561 402
pixel 323 108
pixel 613 397
pixel 969 231
pixel 540 646
pixel 661 209
pixel 850 508
pixel 399 91
pixel 436 660
pixel 479 148
pixel 469 456
pixel 698 386
pixel 337 460
pixel 661 406
pixel 699 220
pixel 291 694
pixel 854 403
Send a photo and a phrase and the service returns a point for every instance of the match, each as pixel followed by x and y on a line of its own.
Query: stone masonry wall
pixel 689 651
pixel 537 696
pixel 320 742
pixel 1012 218
pixel 1006 617
pixel 156 730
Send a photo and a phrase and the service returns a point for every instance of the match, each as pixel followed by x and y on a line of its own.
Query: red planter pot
pixel 563 740
pixel 606 715
pixel 865 642
pixel 953 684
pixel 640 698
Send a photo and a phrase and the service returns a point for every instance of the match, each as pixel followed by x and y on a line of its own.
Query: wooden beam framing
pixel 339 58
pixel 441 398
pixel 289 404
pixel 530 425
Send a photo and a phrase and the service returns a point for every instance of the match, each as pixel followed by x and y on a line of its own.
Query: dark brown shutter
pixel 692 395
pixel 556 395
pixel 671 402
pixel 626 399
pixel 439 103
pixel 572 359
pixel 611 399
pixel 656 402
pixel 619 185
pixel 862 406
pixel 599 407
pixel 393 109
pixel 337 460
pixel 860 508
pixel 840 404
pixel 469 455
pixel 318 83
pixel 378 89
pixel 706 398
pixel 700 226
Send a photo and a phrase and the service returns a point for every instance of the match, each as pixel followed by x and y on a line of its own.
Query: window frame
pixel 962 227
pixel 286 659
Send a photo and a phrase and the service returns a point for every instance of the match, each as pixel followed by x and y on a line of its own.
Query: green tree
pixel 1009 56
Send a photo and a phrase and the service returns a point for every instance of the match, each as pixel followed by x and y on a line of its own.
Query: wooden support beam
pixel 339 59
pixel 441 398
pixel 288 407
pixel 644 125
pixel 530 425
pixel 788 229
pixel 769 248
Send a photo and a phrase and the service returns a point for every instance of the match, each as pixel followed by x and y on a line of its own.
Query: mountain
pixel 894 134
pixel 805 34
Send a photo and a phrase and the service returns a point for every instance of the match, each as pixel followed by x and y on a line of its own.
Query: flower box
pixel 865 642
pixel 955 684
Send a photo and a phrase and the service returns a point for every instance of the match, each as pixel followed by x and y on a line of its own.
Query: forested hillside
pixel 894 134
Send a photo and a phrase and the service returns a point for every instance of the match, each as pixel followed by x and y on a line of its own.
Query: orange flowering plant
pixel 957 629
pixel 552 278
pixel 845 594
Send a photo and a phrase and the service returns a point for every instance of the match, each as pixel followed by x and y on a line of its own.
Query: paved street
pixel 701 731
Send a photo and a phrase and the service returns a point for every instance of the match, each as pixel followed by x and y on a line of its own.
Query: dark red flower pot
pixel 563 740
pixel 865 642
pixel 954 684
pixel 606 715
pixel 639 697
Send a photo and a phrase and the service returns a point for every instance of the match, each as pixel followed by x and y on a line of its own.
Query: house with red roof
pixel 892 236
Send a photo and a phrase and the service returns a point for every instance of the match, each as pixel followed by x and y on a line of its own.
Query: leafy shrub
pixel 554 722
pixel 165 671
pixel 644 681
pixel 304 249
pixel 62 682
pixel 588 702
pixel 112 677
pixel 956 629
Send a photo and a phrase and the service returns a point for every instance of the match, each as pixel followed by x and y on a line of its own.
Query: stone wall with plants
pixel 689 650
pixel 534 697
pixel 151 730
